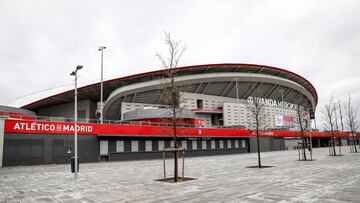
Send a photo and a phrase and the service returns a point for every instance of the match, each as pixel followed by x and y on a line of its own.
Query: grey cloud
pixel 42 41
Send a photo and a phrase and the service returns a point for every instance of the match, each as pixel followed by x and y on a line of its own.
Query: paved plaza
pixel 218 179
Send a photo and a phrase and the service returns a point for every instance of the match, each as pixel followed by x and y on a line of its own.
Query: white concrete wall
pixel 235 112
pixel 127 106
pixel 239 114
pixel 188 100
pixel 1 141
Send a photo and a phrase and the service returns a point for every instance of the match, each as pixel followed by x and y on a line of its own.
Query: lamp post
pixel 282 105
pixel 310 129
pixel 74 73
pixel 237 100
pixel 101 84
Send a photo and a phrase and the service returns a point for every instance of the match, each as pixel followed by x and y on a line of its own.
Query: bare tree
pixel 302 122
pixel 258 115
pixel 170 62
pixel 351 120
pixel 329 118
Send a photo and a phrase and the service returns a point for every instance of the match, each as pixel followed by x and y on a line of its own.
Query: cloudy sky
pixel 42 41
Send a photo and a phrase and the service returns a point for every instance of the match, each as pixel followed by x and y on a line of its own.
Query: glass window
pixel 184 144
pixel 212 144
pixel 161 145
pixel 221 144
pixel 194 145
pixel 134 145
pixel 236 143
pixel 148 145
pixel 243 144
pixel 203 143
pixel 119 145
pixel 104 147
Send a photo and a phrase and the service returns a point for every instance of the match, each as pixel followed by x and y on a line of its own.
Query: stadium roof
pixel 92 91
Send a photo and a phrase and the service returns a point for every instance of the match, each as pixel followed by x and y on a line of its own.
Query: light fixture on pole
pixel 74 73
pixel 310 117
pixel 282 105
pixel 101 84
pixel 237 99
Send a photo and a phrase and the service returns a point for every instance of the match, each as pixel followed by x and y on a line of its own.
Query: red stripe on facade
pixel 44 127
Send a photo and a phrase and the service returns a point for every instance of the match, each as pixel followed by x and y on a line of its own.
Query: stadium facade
pixel 214 116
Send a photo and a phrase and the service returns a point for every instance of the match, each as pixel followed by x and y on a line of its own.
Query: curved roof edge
pixel 10 109
pixel 25 105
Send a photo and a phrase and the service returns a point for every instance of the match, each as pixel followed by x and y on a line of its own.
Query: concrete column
pixel 1 141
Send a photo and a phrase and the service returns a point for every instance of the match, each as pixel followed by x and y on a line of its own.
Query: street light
pixel 101 86
pixel 74 73
pixel 310 129
pixel 282 105
pixel 237 99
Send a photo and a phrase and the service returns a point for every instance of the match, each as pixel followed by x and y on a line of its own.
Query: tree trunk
pixel 175 145
pixel 303 143
pixel 258 145
pixel 304 148
pixel 354 143
pixel 333 140
pixel 176 167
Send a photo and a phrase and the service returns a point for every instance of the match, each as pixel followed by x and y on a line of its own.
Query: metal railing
pixel 97 121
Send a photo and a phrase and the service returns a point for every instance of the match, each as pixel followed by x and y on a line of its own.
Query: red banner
pixel 44 127
pixel 22 126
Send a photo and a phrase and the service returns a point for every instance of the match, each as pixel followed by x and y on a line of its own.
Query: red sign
pixel 47 127
pixel 44 127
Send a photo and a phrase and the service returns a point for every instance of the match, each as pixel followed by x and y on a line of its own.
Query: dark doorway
pixel 217 120
pixel 199 103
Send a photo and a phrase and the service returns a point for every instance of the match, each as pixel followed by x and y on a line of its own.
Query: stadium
pixel 213 117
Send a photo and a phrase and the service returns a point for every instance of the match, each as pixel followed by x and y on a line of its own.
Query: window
pixel 103 147
pixel 161 145
pixel 199 103
pixel 119 146
pixel 184 144
pixel 221 144
pixel 203 143
pixel 134 145
pixel 212 144
pixel 148 145
pixel 194 145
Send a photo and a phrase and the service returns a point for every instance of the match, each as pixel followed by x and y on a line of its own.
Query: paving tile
pixel 218 179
